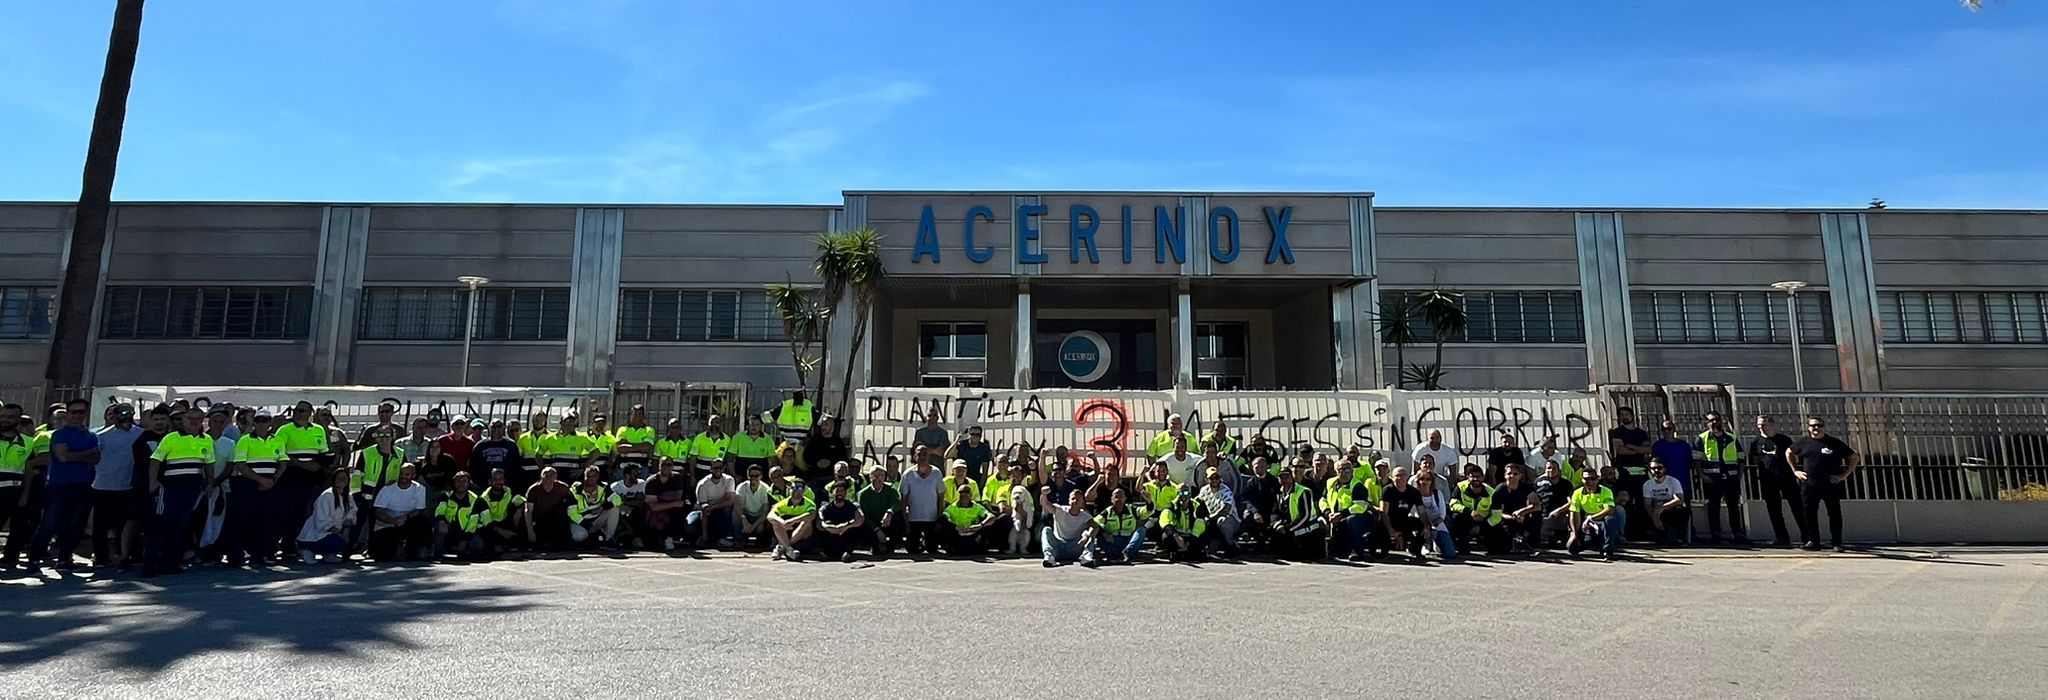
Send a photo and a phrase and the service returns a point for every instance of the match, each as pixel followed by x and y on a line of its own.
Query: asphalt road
pixel 1968 624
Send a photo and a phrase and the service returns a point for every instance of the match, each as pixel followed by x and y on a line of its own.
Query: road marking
pixel 2013 600
pixel 1841 603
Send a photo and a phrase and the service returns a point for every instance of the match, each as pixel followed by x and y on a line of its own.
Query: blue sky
pixel 1650 103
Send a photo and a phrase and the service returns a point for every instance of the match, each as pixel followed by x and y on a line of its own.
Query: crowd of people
pixel 177 485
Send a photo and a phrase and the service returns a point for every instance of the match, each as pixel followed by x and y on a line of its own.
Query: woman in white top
pixel 1433 511
pixel 325 533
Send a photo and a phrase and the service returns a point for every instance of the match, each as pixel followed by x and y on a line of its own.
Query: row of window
pixel 689 315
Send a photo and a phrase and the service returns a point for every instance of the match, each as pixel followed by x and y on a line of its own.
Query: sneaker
pixel 846 558
pixel 795 555
pixel 725 543
pixel 1607 557
pixel 1839 549
pixel 668 544
pixel 307 556
pixel 1047 563
pixel 1811 546
pixel 779 554
pixel 1090 563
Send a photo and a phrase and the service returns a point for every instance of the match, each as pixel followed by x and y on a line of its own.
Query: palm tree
pixel 1444 311
pixel 860 252
pixel 1396 319
pixel 79 293
pixel 800 322
pixel 830 265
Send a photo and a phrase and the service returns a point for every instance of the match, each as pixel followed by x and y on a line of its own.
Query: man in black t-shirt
pixel 1502 457
pixel 1629 445
pixel 1822 463
pixel 1399 528
pixel 839 520
pixel 1555 491
pixel 495 452
pixel 1766 453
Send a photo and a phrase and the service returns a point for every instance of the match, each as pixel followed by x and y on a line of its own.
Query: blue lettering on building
pixel 1084 226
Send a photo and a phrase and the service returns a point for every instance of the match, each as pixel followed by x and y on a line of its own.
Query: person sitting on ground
pixel 595 511
pixel 1160 493
pixel 1297 529
pixel 667 510
pixel 1261 491
pixel 1347 507
pixel 547 511
pixel 755 497
pixel 1664 499
pixel 839 525
pixel 500 515
pixel 455 521
pixel 1555 491
pixel 1432 507
pixel 631 490
pixel 1188 533
pixel 325 534
pixel 1219 504
pixel 402 528
pixel 1066 535
pixel 1399 528
pixel 1117 529
pixel 793 520
pixel 1018 504
pixel 966 518
pixel 1518 515
pixel 881 505
pixel 1471 508
pixel 1595 515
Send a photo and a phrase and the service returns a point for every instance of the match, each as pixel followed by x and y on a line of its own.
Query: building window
pixel 1220 355
pixel 949 381
pixel 25 312
pixel 437 313
pixel 1756 317
pixel 953 341
pixel 1963 317
pixel 235 313
pixel 697 315
pixel 1508 317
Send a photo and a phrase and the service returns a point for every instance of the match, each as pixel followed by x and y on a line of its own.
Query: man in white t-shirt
pixel 1181 464
pixel 753 498
pixel 717 499
pixel 1664 497
pixel 402 526
pixel 632 493
pixel 1445 456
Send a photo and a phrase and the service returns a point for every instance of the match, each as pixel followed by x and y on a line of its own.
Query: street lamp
pixel 1791 289
pixel 469 323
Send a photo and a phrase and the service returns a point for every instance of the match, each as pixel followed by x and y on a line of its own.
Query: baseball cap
pixel 124 410
pixel 476 422
pixel 262 414
pixel 958 464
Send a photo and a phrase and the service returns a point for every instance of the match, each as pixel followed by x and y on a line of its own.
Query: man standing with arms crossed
pixel 1822 463
pixel 1629 445
pixel 1766 451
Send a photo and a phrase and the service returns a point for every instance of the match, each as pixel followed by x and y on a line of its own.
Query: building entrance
pixel 1096 354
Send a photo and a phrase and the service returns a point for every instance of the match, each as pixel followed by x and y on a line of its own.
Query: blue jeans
pixel 1056 549
pixel 1353 536
pixel 1609 531
pixel 1124 546
pixel 1444 546
pixel 64 508
pixel 725 525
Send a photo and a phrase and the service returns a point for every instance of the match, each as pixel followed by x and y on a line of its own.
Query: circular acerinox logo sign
pixel 1084 356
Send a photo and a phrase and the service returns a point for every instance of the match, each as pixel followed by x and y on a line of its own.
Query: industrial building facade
pixel 1039 289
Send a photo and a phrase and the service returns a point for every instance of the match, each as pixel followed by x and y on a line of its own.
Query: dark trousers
pixel 1817 491
pixel 1724 489
pixel 962 545
pixel 19 515
pixel 921 537
pixel 110 513
pixel 997 535
pixel 1780 489
pixel 881 540
pixel 1354 534
pixel 1638 516
pixel 551 528
pixel 833 546
pixel 1410 530
pixel 168 529
pixel 64 509
pixel 1464 528
pixel 402 542
pixel 254 523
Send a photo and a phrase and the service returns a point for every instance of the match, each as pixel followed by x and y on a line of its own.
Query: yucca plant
pixel 1444 311
pixel 1396 319
pixel 800 314
pixel 860 252
pixel 830 266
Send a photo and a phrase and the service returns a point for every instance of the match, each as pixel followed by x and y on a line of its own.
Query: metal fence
pixel 1927 446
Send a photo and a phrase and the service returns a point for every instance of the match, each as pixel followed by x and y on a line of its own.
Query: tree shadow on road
pixel 146 627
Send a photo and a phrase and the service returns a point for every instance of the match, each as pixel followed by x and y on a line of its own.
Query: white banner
pixel 355 406
pixel 1124 422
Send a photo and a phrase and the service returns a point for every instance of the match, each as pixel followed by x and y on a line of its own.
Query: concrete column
pixel 1026 327
pixel 1183 339
pixel 594 296
pixel 337 294
pixel 1852 291
pixel 1603 294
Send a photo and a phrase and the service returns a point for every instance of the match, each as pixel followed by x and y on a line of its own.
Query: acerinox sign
pixel 1084 356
